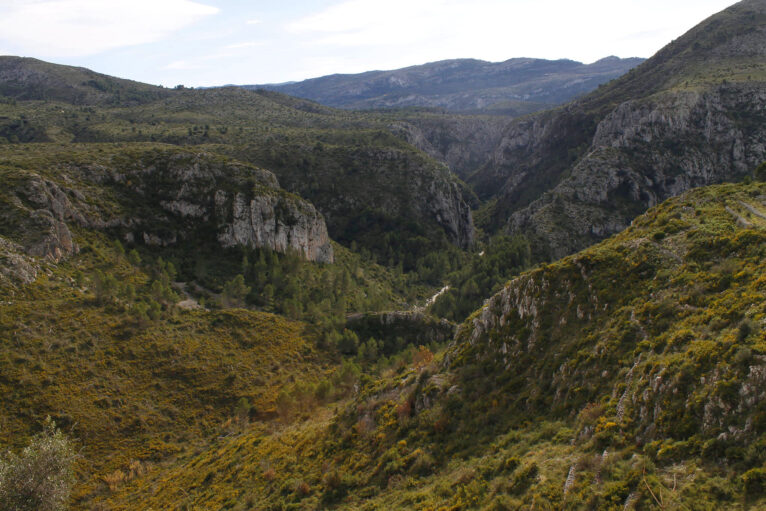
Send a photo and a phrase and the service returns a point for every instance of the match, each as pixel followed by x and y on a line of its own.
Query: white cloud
pixel 407 31
pixel 246 44
pixel 253 22
pixel 73 28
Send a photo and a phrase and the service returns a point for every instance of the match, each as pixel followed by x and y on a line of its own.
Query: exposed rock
pixel 464 143
pixel 452 212
pixel 703 141
pixel 41 209
pixel 272 221
pixel 162 198
pixel 368 189
pixel 15 266
pixel 48 237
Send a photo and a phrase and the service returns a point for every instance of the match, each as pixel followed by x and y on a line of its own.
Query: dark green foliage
pixel 395 331
pixel 104 286
pixel 760 172
pixel 234 292
pixel 502 258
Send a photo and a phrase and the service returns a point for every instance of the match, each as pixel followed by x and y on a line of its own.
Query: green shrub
pixel 524 477
pixel 755 481
pixel 134 258
pixel 234 292
pixel 41 478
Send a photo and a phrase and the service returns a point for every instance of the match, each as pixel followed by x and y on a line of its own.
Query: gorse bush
pixel 40 478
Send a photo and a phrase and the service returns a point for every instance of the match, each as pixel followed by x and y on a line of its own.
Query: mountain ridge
pixel 463 85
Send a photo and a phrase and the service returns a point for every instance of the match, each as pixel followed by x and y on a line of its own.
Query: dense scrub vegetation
pixel 567 390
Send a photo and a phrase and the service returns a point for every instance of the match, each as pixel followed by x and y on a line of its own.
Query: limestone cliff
pixel 157 197
pixel 241 203
pixel 272 221
pixel 380 190
pixel 462 142
pixel 645 151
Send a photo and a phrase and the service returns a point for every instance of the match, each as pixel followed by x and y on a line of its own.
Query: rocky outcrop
pixel 15 266
pixel 272 221
pixel 462 142
pixel 41 210
pixel 242 204
pixel 691 115
pixel 387 189
pixel 446 204
pixel 161 198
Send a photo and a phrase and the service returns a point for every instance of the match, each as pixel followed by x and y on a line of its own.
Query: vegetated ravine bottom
pixel 234 299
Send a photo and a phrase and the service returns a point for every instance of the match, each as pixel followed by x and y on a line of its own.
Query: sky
pixel 217 42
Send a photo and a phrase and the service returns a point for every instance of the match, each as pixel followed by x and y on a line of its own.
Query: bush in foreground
pixel 41 477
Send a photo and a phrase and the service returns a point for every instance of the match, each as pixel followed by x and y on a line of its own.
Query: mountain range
pixel 516 86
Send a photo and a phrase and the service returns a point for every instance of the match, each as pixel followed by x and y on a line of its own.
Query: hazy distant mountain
pixel 516 86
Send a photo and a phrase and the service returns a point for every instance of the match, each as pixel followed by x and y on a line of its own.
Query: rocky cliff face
pixel 274 222
pixel 645 151
pixel 47 208
pixel 242 204
pixel 35 215
pixel 462 142
pixel 159 198
pixel 386 188
pixel 691 115
pixel 446 204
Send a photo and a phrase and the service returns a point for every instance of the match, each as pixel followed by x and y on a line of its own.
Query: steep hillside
pixel 567 390
pixel 691 115
pixel 463 142
pixel 516 86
